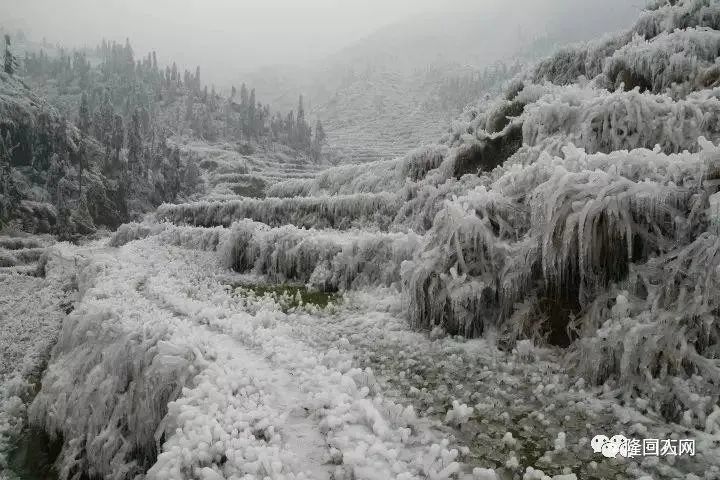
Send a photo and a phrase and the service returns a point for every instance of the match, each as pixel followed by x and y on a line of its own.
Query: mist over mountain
pixel 401 85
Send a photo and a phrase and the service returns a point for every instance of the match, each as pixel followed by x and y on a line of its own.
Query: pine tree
pixel 104 118
pixel 318 140
pixel 84 126
pixel 302 138
pixel 189 108
pixel 10 61
pixel 243 96
pixel 173 177
pixel 84 115
pixel 300 112
pixel 57 170
pixel 118 136
pixel 135 142
pixel 10 196
pixel 290 127
pixel 251 114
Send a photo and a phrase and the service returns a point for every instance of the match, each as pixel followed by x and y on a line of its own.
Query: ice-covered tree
pixel 10 62
pixel 118 137
pixel 250 118
pixel 243 96
pixel 10 195
pixel 84 115
pixel 318 140
pixel 84 126
pixel 135 143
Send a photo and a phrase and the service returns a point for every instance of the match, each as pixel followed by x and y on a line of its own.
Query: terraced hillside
pixel 229 172
pixel 475 309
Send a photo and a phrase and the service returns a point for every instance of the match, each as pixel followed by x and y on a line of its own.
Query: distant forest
pixel 104 157
pixel 115 82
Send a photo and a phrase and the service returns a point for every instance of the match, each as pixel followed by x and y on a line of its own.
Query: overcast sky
pixel 228 36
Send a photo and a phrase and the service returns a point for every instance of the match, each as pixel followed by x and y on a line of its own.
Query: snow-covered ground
pixel 229 384
pixel 248 393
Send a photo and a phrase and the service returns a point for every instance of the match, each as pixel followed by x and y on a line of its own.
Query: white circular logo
pixel 597 442
pixel 610 447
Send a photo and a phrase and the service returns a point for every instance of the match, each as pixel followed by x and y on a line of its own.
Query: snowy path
pixel 271 393
pixel 248 395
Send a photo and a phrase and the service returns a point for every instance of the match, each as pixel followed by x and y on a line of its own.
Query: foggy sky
pixel 230 36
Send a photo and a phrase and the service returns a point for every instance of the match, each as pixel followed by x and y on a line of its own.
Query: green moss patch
pixel 289 296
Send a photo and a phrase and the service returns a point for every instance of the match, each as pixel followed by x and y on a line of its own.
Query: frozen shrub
pixel 584 60
pixel 488 153
pixel 600 121
pixel 128 232
pixel 341 212
pixel 106 397
pixel 560 230
pixel 373 177
pixel 668 58
pixel 665 343
pixel 197 238
pixel 325 259
pixel 666 17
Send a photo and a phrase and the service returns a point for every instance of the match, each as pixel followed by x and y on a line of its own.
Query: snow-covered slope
pixel 483 306
pixel 40 155
pixel 229 173
pixel 32 307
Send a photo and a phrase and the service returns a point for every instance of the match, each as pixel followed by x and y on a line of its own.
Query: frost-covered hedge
pixel 324 259
pixel 373 177
pixel 665 17
pixel 573 62
pixel 661 337
pixel 106 397
pixel 671 58
pixel 197 238
pixel 651 54
pixel 573 223
pixel 601 121
pixel 340 212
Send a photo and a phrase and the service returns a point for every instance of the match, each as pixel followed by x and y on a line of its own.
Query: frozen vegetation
pixel 477 309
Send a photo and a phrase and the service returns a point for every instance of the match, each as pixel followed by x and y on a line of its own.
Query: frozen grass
pixel 374 177
pixel 30 318
pixel 327 260
pixel 288 297
pixel 341 212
